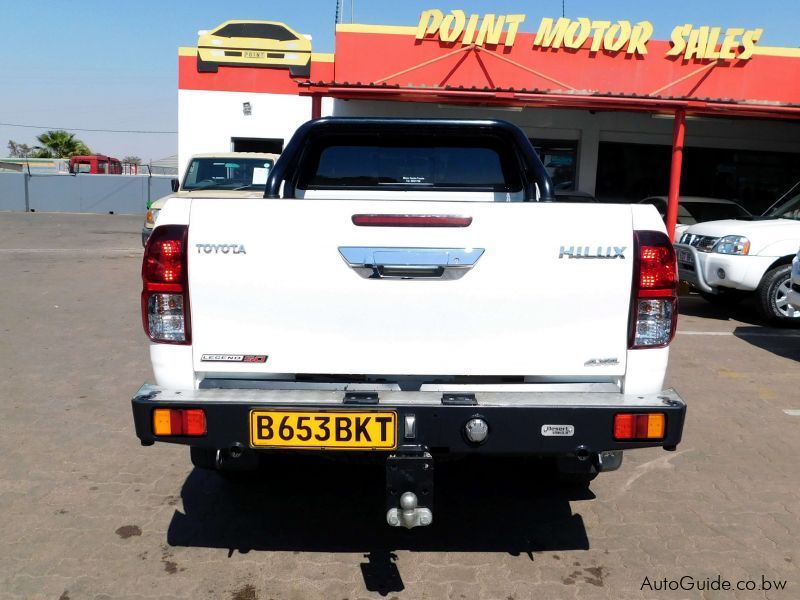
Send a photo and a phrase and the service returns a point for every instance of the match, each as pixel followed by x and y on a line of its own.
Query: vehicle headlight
pixel 685 238
pixel 732 244
pixel 151 217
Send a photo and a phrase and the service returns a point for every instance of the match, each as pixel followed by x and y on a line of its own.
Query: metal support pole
pixel 678 135
pixel 26 175
pixel 316 106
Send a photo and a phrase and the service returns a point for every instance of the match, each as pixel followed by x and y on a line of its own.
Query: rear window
pixel 483 164
pixel 266 31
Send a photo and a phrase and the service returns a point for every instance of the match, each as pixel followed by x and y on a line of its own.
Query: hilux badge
pixel 606 252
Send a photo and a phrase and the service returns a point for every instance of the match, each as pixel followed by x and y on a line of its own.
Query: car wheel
pixel 724 297
pixel 773 296
pixel 206 67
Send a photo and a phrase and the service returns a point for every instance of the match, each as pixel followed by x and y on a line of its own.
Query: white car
pixel 218 175
pixel 697 209
pixel 727 260
pixel 794 284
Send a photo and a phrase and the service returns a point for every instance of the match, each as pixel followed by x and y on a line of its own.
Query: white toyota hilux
pixel 409 290
pixel 728 260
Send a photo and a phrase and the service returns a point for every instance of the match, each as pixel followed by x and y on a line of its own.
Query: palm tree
pixel 60 144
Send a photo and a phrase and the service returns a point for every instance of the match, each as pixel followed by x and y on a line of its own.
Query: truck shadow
pixel 743 311
pixel 309 504
pixel 782 342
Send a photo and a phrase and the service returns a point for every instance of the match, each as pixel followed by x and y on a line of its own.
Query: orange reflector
pixel 639 427
pixel 162 422
pixel 179 421
pixel 655 426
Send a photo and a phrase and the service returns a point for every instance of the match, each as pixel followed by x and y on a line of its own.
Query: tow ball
pixel 409 490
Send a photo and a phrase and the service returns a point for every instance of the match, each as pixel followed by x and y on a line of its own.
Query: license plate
pixel 254 54
pixel 685 256
pixel 328 430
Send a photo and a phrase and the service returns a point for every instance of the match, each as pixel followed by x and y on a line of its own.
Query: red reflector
pixel 194 421
pixel 624 427
pixel 411 221
pixel 175 422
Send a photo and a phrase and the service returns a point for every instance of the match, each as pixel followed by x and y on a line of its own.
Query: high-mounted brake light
pixel 411 221
pixel 654 299
pixel 165 291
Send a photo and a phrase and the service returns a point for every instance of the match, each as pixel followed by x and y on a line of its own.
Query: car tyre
pixel 206 67
pixel 773 302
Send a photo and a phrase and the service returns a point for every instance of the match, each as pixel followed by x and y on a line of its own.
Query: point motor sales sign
pixel 688 41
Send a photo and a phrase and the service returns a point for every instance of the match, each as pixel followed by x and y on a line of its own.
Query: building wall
pixel 207 120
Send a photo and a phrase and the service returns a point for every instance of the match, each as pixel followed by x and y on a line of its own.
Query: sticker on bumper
pixel 558 430
pixel 242 358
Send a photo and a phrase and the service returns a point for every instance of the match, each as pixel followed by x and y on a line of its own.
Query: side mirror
pixel 175 184
pixel 202 32
pixel 307 36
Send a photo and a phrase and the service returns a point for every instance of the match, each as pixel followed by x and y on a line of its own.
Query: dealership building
pixel 613 113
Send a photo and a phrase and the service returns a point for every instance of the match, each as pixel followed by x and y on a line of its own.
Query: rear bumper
pixel 515 419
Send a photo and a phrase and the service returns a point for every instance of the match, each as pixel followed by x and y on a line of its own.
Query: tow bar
pixel 409 490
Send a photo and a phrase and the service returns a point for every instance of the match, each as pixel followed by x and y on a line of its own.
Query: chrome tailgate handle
pixel 410 263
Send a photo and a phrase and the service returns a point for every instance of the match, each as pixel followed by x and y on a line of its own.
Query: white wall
pixel 207 120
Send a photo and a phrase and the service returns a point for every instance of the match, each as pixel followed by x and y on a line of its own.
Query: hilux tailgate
pixel 294 286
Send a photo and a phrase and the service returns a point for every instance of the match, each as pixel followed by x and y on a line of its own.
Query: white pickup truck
pixel 409 290
pixel 730 259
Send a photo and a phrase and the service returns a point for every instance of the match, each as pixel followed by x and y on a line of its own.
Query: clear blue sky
pixel 113 65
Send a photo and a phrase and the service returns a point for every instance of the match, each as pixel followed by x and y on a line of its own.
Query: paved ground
pixel 85 512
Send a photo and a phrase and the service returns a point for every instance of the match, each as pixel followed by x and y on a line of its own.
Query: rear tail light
pixel 631 427
pixel 179 421
pixel 654 296
pixel 165 291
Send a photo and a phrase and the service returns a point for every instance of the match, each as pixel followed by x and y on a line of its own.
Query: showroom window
pixel 273 145
pixel 631 172
pixel 559 158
